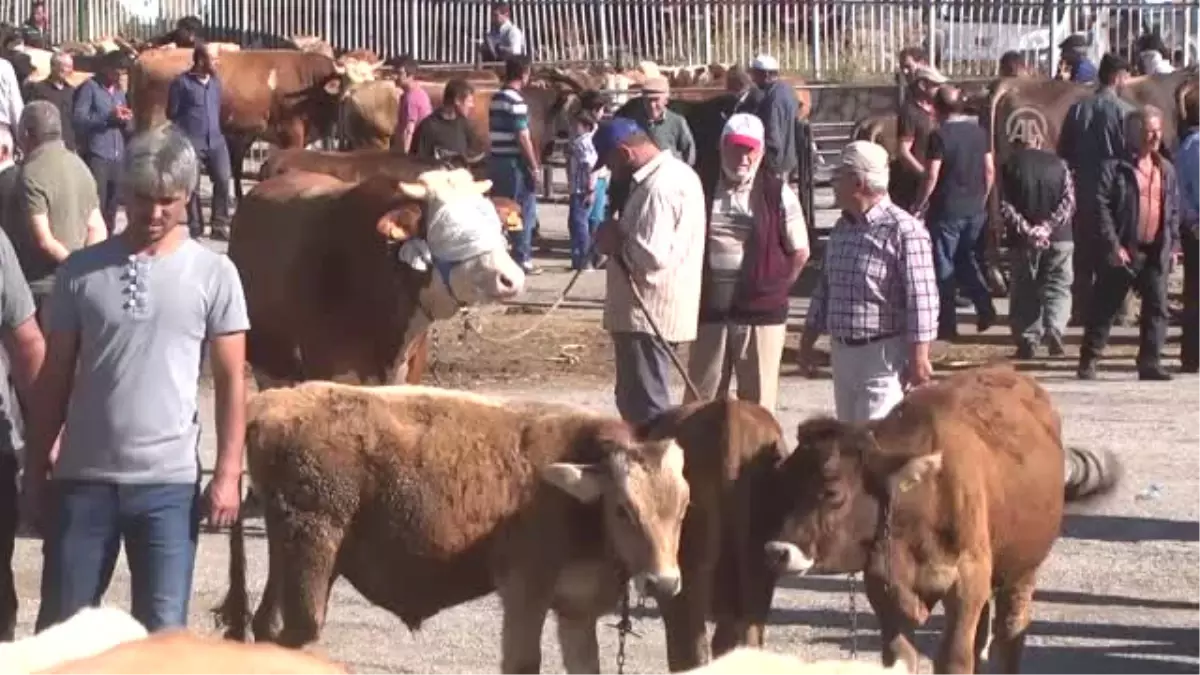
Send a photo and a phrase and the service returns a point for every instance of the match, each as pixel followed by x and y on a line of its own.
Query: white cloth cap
pixel 866 158
pixel 930 74
pixel 745 128
pixel 765 62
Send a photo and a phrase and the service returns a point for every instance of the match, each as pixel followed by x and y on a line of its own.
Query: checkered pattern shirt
pixel 877 279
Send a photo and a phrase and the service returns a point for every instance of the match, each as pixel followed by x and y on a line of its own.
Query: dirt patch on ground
pixel 568 345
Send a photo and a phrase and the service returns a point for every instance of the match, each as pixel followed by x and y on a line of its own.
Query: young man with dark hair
pixel 505 40
pixel 36 28
pixel 415 105
pixel 914 126
pixel 447 131
pixel 1012 64
pixel 514 166
pixel 953 202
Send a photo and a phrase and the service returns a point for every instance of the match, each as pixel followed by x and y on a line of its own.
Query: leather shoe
pixel 1154 375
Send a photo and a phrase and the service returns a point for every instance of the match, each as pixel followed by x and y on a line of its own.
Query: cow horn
pixel 416 190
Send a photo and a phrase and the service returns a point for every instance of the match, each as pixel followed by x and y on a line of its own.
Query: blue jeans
pixel 159 524
pixel 512 180
pixel 215 161
pixel 954 242
pixel 583 220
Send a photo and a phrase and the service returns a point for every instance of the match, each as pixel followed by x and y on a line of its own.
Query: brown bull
pixel 424 499
pixel 955 497
pixel 356 165
pixel 288 98
pixel 326 290
pixel 731 448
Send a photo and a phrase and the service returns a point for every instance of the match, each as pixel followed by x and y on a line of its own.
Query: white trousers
pixel 751 354
pixel 866 378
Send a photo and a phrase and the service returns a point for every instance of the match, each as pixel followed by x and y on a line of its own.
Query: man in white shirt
pixel 11 103
pixel 658 247
pixel 504 40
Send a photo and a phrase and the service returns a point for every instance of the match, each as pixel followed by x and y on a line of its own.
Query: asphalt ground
pixel 1117 595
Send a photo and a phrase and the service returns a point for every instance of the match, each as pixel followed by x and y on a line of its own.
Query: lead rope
pixel 853 615
pixel 625 626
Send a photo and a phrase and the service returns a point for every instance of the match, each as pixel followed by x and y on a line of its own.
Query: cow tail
pixel 1090 474
pixel 234 611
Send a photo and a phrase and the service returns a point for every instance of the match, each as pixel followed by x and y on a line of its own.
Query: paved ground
pixel 1119 593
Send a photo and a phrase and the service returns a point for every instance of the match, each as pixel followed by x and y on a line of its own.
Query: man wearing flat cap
pixel 1074 64
pixel 665 127
pixel 658 248
pixel 778 111
pixel 914 128
pixel 877 295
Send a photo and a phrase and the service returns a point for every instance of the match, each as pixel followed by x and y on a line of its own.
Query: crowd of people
pixel 103 329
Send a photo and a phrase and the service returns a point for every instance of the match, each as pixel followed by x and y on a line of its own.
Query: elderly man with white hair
pixel 877 296
pixel 57 90
pixel 757 246
pixel 128 321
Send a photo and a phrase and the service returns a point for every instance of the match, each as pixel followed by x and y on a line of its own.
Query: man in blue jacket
pixel 103 120
pixel 194 106
pixel 778 112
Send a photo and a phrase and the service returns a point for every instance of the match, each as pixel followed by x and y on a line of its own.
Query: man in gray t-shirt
pixel 23 351
pixel 129 318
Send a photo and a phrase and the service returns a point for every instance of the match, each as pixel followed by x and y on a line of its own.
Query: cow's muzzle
pixel 665 584
pixel 785 558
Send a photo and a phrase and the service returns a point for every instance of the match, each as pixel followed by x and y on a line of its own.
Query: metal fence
pixel 845 40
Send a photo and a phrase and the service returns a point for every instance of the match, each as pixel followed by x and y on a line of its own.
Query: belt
pixel 859 342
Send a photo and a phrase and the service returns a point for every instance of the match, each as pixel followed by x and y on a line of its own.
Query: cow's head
pixel 832 492
pixel 459 233
pixel 644 497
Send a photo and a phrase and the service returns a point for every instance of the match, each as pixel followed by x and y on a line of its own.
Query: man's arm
pixel 97 229
pixel 226 323
pixel 687 143
pixel 796 231
pixel 22 337
pixel 86 114
pixel 989 172
pixel 921 291
pixel 37 206
pixel 906 137
pixel 175 100
pixel 52 389
pixel 1105 224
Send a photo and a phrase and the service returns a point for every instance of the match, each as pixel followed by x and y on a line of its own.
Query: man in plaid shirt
pixel 877 296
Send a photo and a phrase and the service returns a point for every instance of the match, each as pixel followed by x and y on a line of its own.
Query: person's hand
pixel 1124 256
pixel 918 372
pixel 608 238
pixel 806 361
pixel 224 498
pixel 589 198
pixel 33 507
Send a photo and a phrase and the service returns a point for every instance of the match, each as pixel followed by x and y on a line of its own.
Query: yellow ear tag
pixel 906 485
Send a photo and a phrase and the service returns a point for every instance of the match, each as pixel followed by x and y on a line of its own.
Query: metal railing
pixel 844 40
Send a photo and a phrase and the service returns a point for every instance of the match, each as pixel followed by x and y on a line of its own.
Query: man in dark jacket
pixel 57 90
pixel 778 112
pixel 1092 133
pixel 1138 221
pixel 1037 205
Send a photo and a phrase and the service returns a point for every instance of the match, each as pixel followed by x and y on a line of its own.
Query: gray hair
pixel 160 163
pixel 40 123
pixel 1136 120
pixel 58 58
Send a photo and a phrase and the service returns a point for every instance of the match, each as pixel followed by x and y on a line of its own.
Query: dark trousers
pixel 515 183
pixel 107 174
pixel 215 161
pixel 582 221
pixel 8 536
pixel 954 245
pixel 1189 350
pixel 1146 276
pixel 159 524
pixel 643 378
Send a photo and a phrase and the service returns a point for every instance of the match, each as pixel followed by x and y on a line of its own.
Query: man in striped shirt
pixel 877 296
pixel 514 166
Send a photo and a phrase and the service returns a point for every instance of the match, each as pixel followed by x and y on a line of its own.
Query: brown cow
pixel 337 276
pixel 731 448
pixel 424 499
pixel 955 496
pixel 179 652
pixel 288 98
pixel 357 165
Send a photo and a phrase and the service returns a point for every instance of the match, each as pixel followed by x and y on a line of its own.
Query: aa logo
pixel 1027 125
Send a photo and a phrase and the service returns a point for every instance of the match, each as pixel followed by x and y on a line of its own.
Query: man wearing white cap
pixel 877 296
pixel 757 245
pixel 778 112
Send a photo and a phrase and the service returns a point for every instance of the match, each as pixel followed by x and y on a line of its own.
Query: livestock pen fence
pixel 842 41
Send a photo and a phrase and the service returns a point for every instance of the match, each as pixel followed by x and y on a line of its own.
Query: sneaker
pixel 1054 344
pixel 1025 350
pixel 530 269
pixel 1156 374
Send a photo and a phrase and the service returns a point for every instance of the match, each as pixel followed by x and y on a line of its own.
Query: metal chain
pixel 431 368
pixel 624 627
pixel 853 615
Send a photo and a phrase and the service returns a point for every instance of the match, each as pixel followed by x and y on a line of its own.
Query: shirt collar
pixel 45 147
pixel 6 164
pixel 650 167
pixel 872 216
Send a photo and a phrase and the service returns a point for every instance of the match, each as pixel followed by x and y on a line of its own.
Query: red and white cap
pixel 744 129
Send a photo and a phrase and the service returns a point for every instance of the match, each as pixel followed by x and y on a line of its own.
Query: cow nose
pixel 667 584
pixel 785 557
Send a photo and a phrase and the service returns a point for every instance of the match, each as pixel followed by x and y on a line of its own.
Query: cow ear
pixel 584 482
pixel 914 471
pixel 481 186
pixel 397 223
